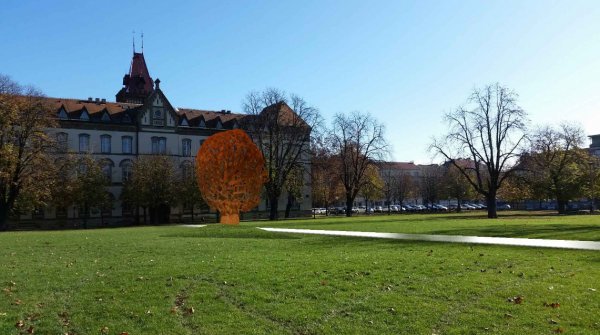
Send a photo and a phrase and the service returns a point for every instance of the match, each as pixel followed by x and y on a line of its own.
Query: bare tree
pixel 404 187
pixel 430 183
pixel 358 142
pixel 490 131
pixel 281 126
pixel 26 168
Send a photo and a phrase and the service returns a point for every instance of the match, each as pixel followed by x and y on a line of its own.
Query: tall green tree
pixel 558 163
pixel 152 186
pixel 26 167
pixel 89 187
pixel 188 193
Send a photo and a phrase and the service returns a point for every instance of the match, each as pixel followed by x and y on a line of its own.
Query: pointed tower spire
pixel 142 42
pixel 133 40
pixel 137 84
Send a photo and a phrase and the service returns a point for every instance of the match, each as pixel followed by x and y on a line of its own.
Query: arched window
pixel 107 166
pixel 62 142
pixel 84 143
pixel 186 147
pixel 159 145
pixel 105 144
pixel 126 169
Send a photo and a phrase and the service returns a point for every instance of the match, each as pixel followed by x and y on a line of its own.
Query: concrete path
pixel 192 225
pixel 523 242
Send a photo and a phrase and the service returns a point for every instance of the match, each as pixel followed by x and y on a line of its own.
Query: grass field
pixel 240 280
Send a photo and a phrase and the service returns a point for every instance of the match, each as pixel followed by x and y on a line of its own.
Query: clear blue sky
pixel 406 62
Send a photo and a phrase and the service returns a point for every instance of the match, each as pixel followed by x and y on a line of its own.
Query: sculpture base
pixel 230 218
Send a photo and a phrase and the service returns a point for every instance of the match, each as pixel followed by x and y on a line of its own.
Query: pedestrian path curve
pixel 524 242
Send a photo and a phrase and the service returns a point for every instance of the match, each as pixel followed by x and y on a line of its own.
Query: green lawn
pixel 240 280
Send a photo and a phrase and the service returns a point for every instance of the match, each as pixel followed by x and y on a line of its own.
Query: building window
pixel 159 145
pixel 84 116
pixel 84 143
pixel 201 142
pixel 126 170
pixel 105 144
pixel 187 170
pixel 62 142
pixel 127 142
pixel 186 147
pixel 107 166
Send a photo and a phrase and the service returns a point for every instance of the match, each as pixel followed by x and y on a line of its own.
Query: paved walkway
pixel 524 242
pixel 192 225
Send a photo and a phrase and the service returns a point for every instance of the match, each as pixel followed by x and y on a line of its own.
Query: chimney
pixel 222 111
pixel 90 99
pixel 103 101
pixel 97 100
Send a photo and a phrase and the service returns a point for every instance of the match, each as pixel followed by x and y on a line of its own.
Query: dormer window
pixel 62 114
pixel 84 116
pixel 105 117
pixel 202 124
pixel 219 125
pixel 184 122
pixel 126 118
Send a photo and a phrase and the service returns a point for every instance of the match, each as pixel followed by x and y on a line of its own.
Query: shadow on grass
pixel 553 231
pixel 232 232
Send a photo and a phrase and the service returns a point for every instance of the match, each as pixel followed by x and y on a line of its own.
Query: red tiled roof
pixel 92 107
pixel 401 165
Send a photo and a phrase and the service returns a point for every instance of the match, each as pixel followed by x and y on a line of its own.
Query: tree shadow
pixel 232 232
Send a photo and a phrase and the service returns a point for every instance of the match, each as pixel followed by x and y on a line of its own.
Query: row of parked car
pixel 404 208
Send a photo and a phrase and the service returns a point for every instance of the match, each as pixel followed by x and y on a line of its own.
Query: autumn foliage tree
pixel 231 172
pixel 26 167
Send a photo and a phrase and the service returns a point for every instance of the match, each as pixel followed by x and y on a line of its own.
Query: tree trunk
pixel 288 205
pixel 231 219
pixel 349 202
pixel 274 211
pixel 458 208
pixel 492 207
pixel 562 206
pixel 3 218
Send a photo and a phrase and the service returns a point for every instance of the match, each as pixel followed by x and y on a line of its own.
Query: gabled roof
pixel 285 114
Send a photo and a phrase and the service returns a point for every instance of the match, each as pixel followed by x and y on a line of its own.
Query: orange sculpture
pixel 231 172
